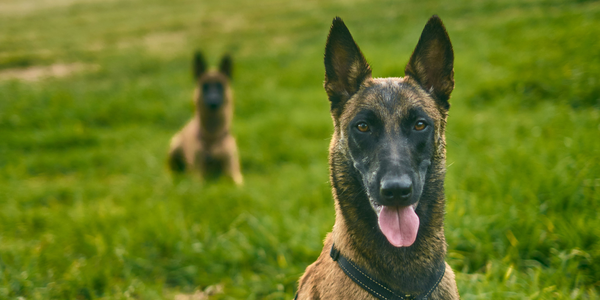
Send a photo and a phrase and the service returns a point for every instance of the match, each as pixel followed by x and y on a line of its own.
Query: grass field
pixel 91 92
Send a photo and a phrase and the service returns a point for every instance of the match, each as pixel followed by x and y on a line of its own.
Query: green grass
pixel 88 209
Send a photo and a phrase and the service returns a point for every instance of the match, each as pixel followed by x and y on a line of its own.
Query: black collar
pixel 378 289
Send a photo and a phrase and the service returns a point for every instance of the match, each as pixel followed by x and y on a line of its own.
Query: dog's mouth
pixel 213 105
pixel 399 224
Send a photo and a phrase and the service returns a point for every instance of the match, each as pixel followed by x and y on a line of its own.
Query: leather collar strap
pixel 377 289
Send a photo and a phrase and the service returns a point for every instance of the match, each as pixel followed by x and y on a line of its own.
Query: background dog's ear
pixel 199 64
pixel 226 65
pixel 345 66
pixel 432 62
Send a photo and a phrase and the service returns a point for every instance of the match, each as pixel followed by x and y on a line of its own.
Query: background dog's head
pixel 391 129
pixel 213 84
pixel 213 97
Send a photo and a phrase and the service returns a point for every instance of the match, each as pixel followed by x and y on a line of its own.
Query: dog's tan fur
pixel 426 86
pixel 205 145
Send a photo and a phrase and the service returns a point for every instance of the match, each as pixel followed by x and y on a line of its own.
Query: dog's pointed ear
pixel 345 66
pixel 432 62
pixel 226 65
pixel 199 64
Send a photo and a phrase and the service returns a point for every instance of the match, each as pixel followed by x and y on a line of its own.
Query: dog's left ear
pixel 199 64
pixel 432 62
pixel 345 66
pixel 226 65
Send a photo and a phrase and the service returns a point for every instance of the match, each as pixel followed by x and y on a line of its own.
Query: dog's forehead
pixel 213 76
pixel 393 95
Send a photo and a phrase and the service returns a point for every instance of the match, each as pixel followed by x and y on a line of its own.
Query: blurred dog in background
pixel 205 145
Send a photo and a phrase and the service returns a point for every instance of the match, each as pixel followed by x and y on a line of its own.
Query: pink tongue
pixel 399 225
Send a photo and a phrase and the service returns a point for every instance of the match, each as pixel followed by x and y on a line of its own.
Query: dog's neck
pixel 213 125
pixel 357 235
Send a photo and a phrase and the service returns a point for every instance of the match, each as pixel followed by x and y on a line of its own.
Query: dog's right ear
pixel 432 62
pixel 199 64
pixel 226 65
pixel 345 66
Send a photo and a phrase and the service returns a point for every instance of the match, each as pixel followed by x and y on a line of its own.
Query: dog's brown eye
pixel 420 125
pixel 362 127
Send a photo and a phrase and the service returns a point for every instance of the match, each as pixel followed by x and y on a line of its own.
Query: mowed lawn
pixel 91 92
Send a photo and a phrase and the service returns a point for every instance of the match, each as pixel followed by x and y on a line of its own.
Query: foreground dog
pixel 205 144
pixel 387 168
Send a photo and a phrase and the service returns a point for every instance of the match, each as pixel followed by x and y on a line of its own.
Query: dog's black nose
pixel 396 188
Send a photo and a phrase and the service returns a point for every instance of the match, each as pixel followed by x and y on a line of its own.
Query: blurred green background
pixel 91 92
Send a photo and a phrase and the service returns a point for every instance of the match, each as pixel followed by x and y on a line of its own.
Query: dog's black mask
pixel 392 152
pixel 213 94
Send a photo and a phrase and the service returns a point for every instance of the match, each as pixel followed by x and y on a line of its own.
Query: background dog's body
pixel 387 167
pixel 205 144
